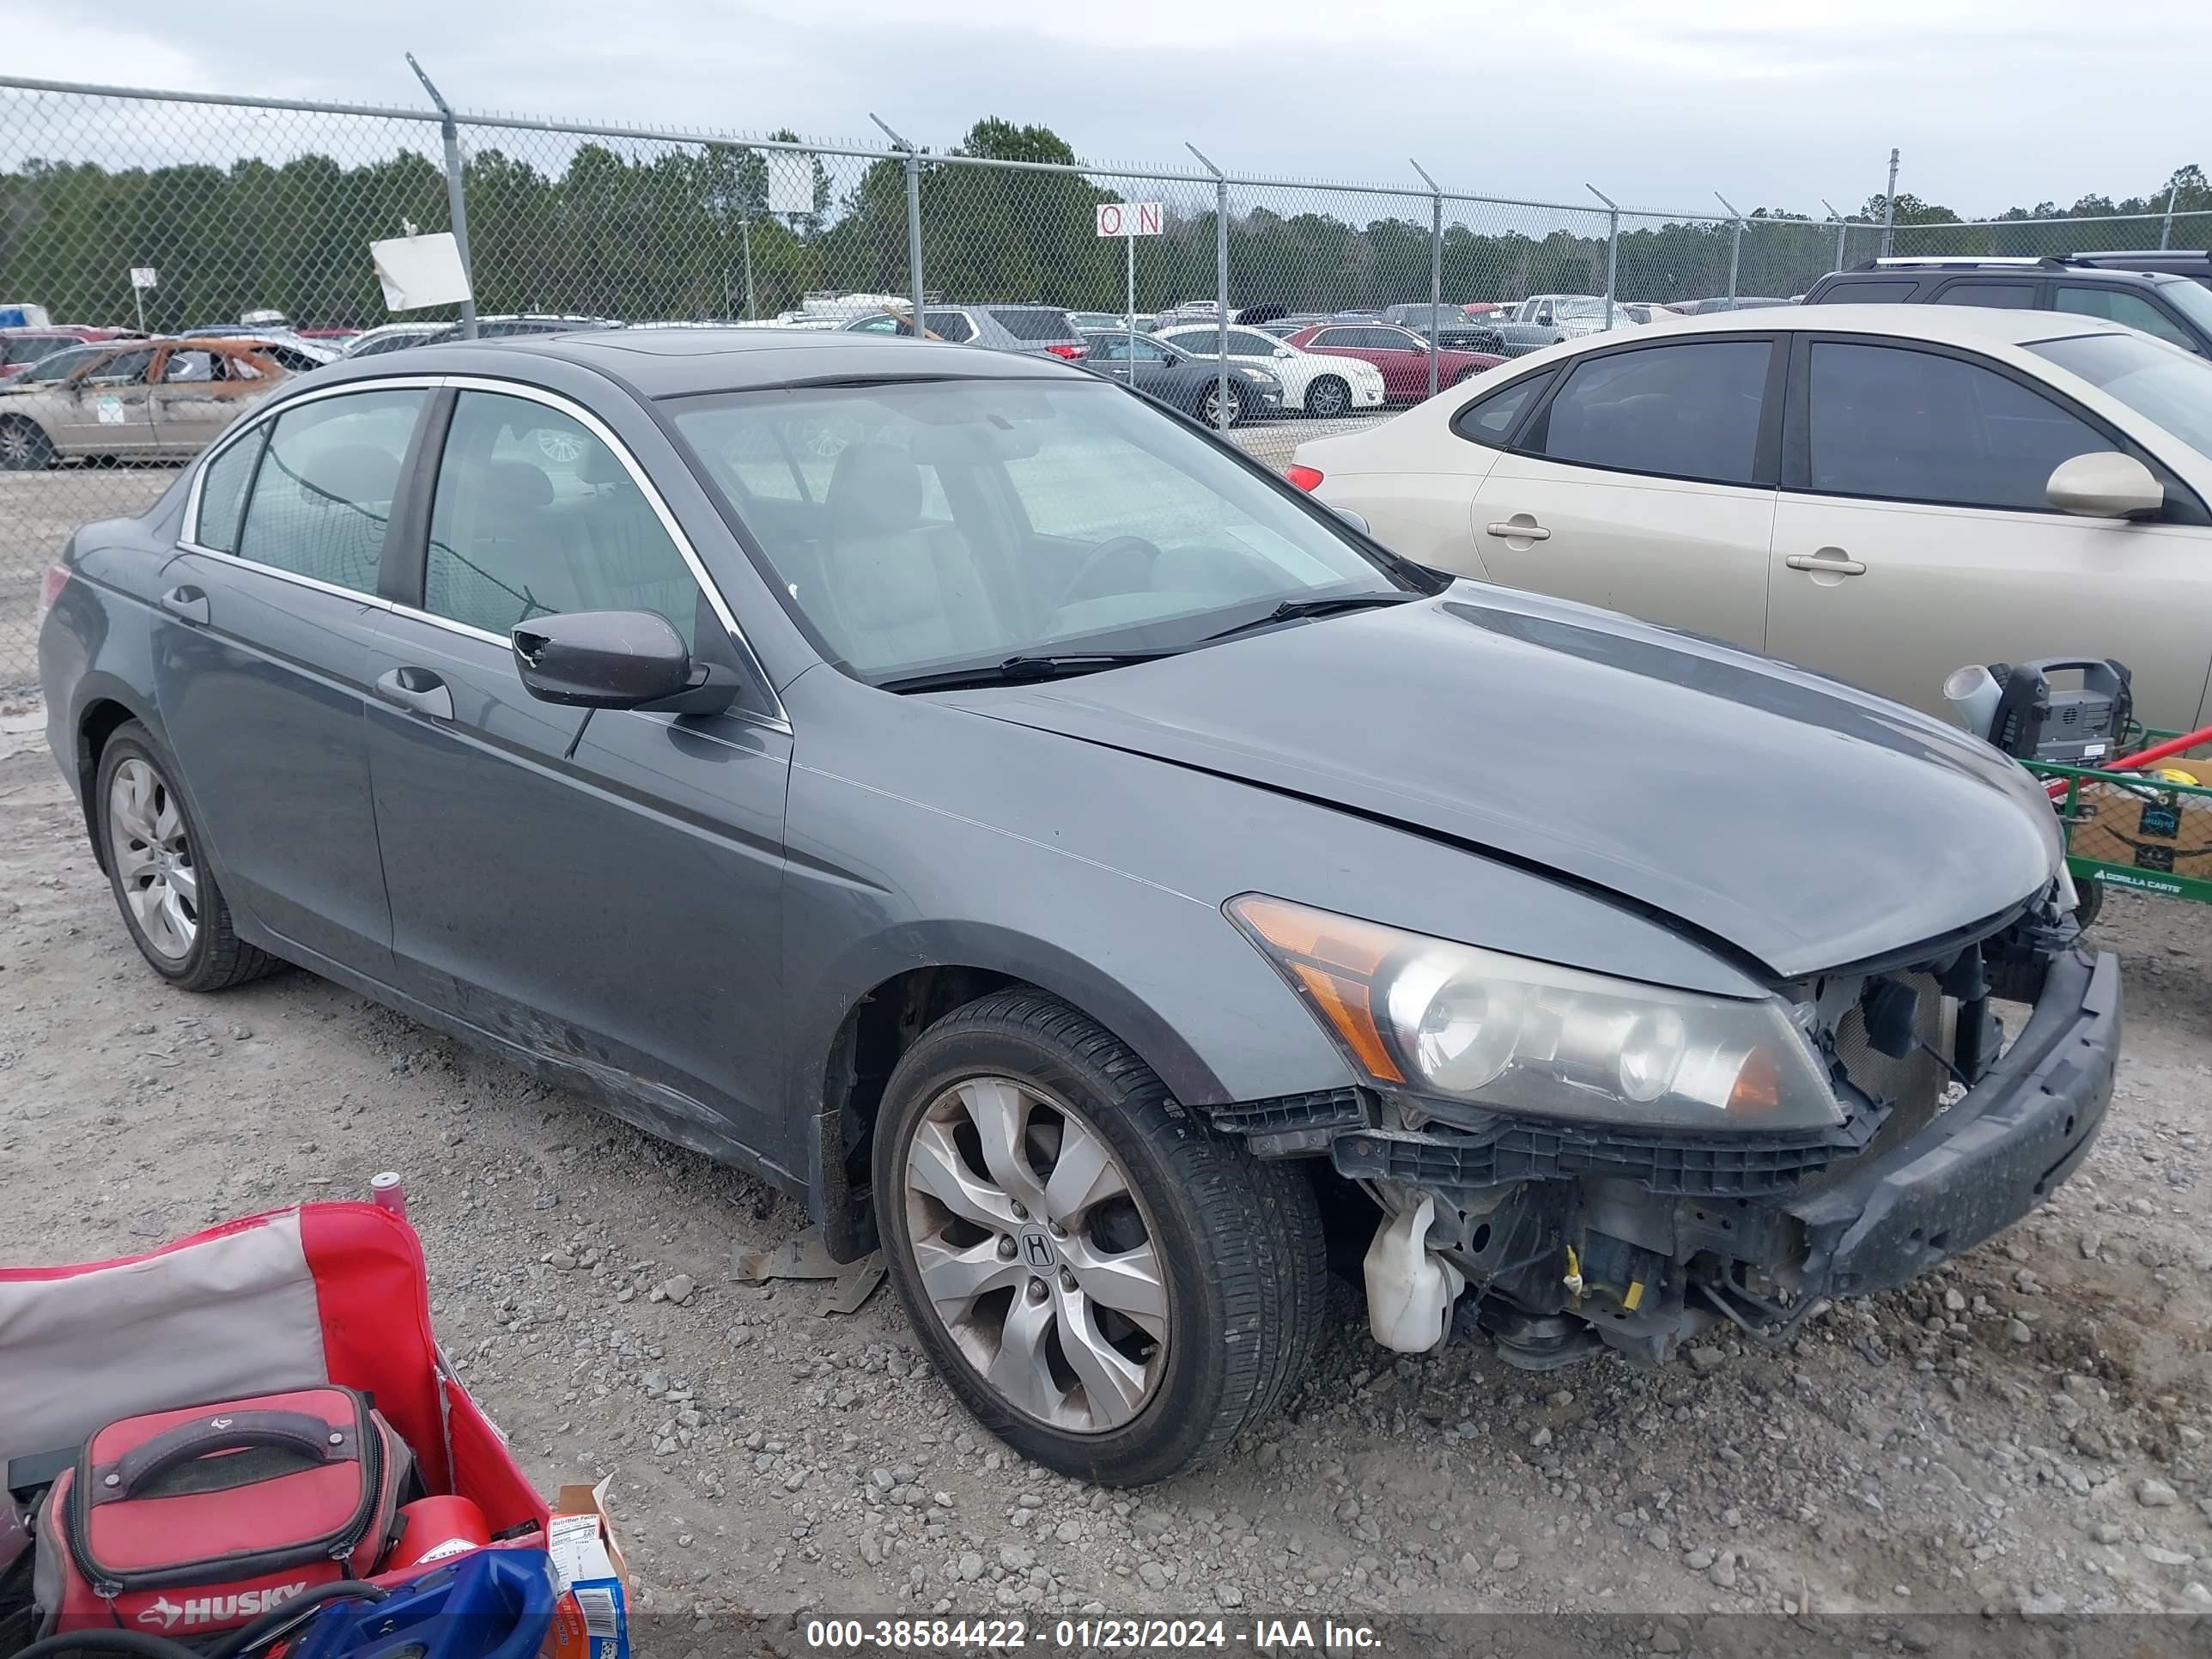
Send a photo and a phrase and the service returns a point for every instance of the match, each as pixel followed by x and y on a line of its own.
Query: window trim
pixel 422 478
pixel 1767 445
pixel 1797 428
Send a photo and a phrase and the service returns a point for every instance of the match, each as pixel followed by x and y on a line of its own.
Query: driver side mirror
pixel 616 660
pixel 2105 484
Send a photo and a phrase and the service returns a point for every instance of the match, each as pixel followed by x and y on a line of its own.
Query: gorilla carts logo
pixel 217 1609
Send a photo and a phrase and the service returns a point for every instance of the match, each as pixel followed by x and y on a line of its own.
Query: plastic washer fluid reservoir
pixel 1410 1288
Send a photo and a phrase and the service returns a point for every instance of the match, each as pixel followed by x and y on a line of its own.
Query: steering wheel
pixel 1102 554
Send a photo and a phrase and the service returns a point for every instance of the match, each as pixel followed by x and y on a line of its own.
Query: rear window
pixel 1035 323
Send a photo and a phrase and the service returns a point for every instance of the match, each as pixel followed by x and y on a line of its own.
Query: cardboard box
pixel 2148 826
pixel 591 1620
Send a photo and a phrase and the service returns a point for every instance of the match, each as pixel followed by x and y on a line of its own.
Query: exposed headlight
pixel 1514 1034
pixel 1259 377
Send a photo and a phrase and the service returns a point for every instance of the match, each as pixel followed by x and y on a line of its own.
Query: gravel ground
pixel 2024 1429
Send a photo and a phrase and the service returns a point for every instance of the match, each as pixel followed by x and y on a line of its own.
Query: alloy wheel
pixel 18 450
pixel 1328 398
pixel 153 859
pixel 1220 413
pixel 1035 1252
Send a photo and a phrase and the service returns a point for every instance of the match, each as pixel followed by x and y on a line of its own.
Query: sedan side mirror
pixel 616 660
pixel 2105 484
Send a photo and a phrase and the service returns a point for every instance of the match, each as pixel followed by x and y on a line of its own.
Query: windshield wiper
pixel 1018 670
pixel 1292 610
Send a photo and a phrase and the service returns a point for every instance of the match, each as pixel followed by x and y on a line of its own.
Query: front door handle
pixel 187 604
pixel 417 689
pixel 1520 527
pixel 1829 563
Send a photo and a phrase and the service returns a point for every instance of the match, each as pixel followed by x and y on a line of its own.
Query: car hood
pixel 1802 822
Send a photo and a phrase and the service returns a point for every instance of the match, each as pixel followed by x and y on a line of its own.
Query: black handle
pixel 190 604
pixel 310 1436
pixel 417 689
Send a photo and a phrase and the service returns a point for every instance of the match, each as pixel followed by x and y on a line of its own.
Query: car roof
pixel 1955 325
pixel 677 361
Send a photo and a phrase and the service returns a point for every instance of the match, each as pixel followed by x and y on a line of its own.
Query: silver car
pixel 1030 330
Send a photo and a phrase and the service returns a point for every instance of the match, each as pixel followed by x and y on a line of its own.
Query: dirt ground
pixel 2023 1431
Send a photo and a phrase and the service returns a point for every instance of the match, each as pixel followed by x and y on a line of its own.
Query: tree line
pixel 688 232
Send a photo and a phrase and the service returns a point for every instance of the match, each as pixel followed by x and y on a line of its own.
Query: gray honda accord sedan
pixel 993 810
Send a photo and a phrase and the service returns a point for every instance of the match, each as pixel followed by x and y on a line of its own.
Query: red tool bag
pixel 196 1520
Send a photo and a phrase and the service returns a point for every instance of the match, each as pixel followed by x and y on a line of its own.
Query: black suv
pixel 2194 263
pixel 2170 306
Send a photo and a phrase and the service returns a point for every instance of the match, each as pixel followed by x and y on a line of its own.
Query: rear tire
pixel 24 446
pixel 176 914
pixel 1328 398
pixel 1219 1255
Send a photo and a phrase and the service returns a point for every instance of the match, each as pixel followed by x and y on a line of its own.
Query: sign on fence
pixel 145 277
pixel 1130 218
pixel 420 270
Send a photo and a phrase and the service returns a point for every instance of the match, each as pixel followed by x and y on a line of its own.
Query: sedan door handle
pixel 1520 530
pixel 1820 566
pixel 417 689
pixel 187 603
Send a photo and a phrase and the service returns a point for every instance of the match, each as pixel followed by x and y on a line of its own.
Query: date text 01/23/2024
pixel 1088 1635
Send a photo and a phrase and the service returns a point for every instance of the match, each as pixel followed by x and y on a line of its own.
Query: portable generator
pixel 2016 707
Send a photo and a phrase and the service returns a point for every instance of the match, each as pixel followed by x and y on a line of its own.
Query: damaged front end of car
pixel 1584 1163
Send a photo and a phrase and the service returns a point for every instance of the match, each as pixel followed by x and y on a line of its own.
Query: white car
pixel 1313 383
pixel 1884 492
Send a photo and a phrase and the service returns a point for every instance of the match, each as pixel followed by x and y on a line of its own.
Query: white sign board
pixel 145 277
pixel 420 270
pixel 790 185
pixel 1131 218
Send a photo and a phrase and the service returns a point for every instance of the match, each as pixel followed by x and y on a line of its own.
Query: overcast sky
pixel 1658 102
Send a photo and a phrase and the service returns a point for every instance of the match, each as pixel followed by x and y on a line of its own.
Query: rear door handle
pixel 1821 566
pixel 187 603
pixel 417 689
pixel 1522 529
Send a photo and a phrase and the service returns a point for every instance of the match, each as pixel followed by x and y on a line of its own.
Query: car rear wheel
pixel 1222 406
pixel 1110 1286
pixel 167 895
pixel 24 446
pixel 1327 398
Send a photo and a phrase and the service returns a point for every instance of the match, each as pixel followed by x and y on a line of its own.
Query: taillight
pixel 57 579
pixel 1070 352
pixel 1305 477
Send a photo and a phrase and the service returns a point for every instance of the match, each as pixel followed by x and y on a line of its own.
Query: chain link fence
pixel 165 212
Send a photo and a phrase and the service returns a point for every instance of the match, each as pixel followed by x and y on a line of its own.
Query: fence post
pixel 456 195
pixel 2166 229
pixel 1220 282
pixel 1735 247
pixel 1889 209
pixel 1436 267
pixel 1843 230
pixel 1612 246
pixel 912 218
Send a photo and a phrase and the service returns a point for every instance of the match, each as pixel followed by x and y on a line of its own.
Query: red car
pixel 21 347
pixel 1400 354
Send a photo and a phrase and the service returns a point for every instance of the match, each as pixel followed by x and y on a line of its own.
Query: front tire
pixel 1218 412
pixel 1328 398
pixel 1110 1286
pixel 24 446
pixel 176 914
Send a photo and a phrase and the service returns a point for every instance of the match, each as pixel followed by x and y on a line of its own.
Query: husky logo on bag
pixel 212 1609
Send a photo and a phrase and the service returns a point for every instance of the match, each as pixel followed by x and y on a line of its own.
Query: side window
pixel 2119 307
pixel 1243 344
pixel 222 491
pixel 2002 296
pixel 124 368
pixel 879 326
pixel 188 365
pixel 1335 336
pixel 951 327
pixel 324 492
pixel 534 515
pixel 1906 425
pixel 1490 420
pixel 1688 410
pixel 1876 292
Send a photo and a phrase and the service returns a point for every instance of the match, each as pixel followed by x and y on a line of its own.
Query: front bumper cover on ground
pixel 1987 1161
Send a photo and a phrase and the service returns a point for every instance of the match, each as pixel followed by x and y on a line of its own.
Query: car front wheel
pixel 1327 398
pixel 1221 407
pixel 1110 1286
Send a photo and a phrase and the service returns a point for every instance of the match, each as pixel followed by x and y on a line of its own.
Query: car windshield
pixel 2192 301
pixel 921 527
pixel 2163 384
